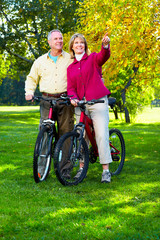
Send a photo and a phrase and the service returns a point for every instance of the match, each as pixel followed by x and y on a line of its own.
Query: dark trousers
pixel 64 115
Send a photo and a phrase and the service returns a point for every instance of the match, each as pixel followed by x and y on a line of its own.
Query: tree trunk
pixel 115 110
pixel 124 99
pixel 127 117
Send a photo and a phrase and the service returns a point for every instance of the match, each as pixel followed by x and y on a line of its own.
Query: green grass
pixel 127 209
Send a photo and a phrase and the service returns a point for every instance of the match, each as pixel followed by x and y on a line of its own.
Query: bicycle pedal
pixel 116 158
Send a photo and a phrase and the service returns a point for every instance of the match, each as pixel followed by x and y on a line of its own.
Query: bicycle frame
pixel 50 121
pixel 84 119
pixel 50 115
pixel 88 125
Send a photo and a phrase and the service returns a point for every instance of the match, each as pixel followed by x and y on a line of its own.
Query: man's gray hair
pixel 50 33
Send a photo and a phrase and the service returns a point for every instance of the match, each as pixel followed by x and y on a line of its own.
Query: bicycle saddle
pixel 111 101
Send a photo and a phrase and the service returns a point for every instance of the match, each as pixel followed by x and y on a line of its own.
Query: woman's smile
pixel 78 46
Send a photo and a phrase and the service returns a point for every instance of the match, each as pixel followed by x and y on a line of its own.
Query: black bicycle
pixel 46 140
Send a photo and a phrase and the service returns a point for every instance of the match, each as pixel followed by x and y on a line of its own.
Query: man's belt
pixel 57 95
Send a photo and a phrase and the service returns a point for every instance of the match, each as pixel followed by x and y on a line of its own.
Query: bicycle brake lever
pixel 35 98
pixel 64 95
pixel 81 102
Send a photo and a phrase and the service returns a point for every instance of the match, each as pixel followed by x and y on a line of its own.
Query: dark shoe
pixel 106 177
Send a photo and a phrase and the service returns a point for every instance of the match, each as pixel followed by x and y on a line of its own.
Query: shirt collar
pixel 83 58
pixel 79 56
pixel 62 53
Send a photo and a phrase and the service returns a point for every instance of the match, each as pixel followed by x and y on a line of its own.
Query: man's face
pixel 56 41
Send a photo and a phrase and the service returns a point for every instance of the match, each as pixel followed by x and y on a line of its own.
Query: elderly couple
pixel 80 75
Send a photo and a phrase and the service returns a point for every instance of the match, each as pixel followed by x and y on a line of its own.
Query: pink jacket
pixel 84 77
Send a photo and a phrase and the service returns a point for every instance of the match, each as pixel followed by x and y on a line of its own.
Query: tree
pixel 24 28
pixel 134 31
pixel 4 66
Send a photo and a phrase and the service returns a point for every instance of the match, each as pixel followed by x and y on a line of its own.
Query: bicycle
pixel 79 150
pixel 46 140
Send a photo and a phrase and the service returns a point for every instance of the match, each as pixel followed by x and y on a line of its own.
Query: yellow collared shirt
pixel 51 76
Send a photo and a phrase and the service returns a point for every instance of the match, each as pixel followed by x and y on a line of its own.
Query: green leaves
pixel 133 28
pixel 25 25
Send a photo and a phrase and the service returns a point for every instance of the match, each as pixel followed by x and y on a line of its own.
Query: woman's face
pixel 78 46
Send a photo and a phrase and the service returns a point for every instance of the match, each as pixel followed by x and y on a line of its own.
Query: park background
pixel 128 208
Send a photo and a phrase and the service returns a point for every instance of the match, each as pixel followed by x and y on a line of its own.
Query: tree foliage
pixel 131 73
pixel 134 31
pixel 25 25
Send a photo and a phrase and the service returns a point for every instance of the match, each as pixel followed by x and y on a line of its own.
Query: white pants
pixel 99 113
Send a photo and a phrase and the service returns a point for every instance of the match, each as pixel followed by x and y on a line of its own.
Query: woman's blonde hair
pixel 77 35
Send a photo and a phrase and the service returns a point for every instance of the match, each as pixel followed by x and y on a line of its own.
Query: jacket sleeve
pixel 71 86
pixel 32 80
pixel 103 55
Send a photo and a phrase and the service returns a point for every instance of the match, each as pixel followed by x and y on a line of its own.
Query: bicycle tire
pixel 66 164
pixel 92 156
pixel 117 141
pixel 42 154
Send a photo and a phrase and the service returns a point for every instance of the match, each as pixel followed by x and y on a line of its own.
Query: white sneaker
pixel 106 177
pixel 78 173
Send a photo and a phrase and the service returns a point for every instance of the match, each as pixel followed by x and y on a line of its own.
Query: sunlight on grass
pixel 139 208
pixel 66 211
pixel 22 122
pixel 130 210
pixel 18 108
pixel 147 186
pixel 7 166
pixel 149 115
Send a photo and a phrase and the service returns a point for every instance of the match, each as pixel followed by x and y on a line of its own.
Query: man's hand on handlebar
pixel 29 97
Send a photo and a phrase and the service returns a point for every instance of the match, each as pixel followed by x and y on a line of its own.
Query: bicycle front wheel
pixel 70 153
pixel 42 154
pixel 117 148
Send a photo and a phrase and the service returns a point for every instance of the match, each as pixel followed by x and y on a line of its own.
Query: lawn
pixel 128 208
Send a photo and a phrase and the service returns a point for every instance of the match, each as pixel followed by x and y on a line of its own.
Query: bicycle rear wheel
pixel 42 154
pixel 66 160
pixel 117 147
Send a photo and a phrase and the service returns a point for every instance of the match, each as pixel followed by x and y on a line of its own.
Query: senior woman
pixel 84 80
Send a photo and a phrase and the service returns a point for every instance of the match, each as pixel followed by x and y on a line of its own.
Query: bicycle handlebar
pixel 67 102
pixel 111 102
pixel 65 99
pixel 91 102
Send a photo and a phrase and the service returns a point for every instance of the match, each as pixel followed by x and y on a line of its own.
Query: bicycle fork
pixel 79 130
pixel 51 126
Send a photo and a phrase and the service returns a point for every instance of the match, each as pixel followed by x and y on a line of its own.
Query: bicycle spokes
pixel 42 155
pixel 67 169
